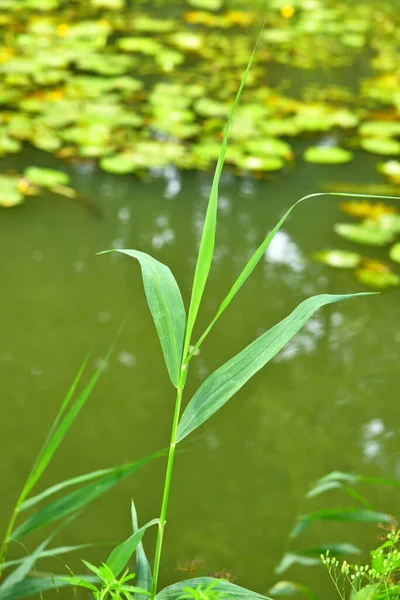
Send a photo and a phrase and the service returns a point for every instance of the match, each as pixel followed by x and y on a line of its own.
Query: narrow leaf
pixel 340 514
pixel 121 555
pixel 335 549
pixel 225 588
pixel 293 558
pixel 79 582
pixel 35 586
pixel 206 250
pixel 51 552
pixel 144 577
pixel 79 498
pixel 25 566
pixel 229 378
pixel 166 306
pixel 64 484
pixel 290 588
pixel 260 252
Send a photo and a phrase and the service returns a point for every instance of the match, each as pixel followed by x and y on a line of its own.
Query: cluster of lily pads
pixel 134 89
pixel 32 182
pixel 379 227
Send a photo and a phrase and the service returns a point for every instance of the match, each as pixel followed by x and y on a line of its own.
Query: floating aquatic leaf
pixel 186 40
pixel 46 177
pixel 257 163
pixel 206 107
pixel 340 259
pixel 140 44
pixel 394 252
pixel 269 146
pixel 377 275
pixel 389 222
pixel 362 234
pixel 381 129
pixel 10 195
pixel 365 209
pixel 391 169
pixel 122 163
pixel 206 4
pixel 327 155
pixel 380 145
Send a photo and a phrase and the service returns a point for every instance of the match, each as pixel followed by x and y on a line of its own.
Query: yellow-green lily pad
pixel 269 146
pixel 380 145
pixel 327 155
pixel 363 234
pixel 339 259
pixel 10 195
pixel 47 178
pixel 258 163
pixel 379 280
pixel 381 129
pixel 394 252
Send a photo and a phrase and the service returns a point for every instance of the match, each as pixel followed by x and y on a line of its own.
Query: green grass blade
pixel 225 588
pixel 144 577
pixel 121 555
pixel 35 586
pixel 350 514
pixel 259 253
pixel 166 306
pixel 24 567
pixel 289 559
pixel 228 379
pixel 62 485
pixel 61 411
pixel 206 250
pixel 50 553
pixel 79 498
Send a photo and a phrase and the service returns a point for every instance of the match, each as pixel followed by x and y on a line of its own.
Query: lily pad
pixel 47 178
pixel 269 146
pixel 381 129
pixel 10 195
pixel 339 259
pixel 258 163
pixel 362 234
pixel 206 4
pixel 380 145
pixel 391 169
pixel 394 252
pixel 379 279
pixel 327 155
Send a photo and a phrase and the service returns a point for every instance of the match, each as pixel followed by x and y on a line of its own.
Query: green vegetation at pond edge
pixel 379 227
pixel 136 89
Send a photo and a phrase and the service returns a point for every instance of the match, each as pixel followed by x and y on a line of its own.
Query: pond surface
pixel 328 401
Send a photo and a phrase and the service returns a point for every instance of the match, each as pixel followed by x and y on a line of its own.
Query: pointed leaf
pixel 229 378
pixel 79 498
pixel 350 514
pixel 225 588
pixel 121 555
pixel 335 549
pixel 64 484
pixel 290 588
pixel 206 250
pixel 51 552
pixel 333 480
pixel 293 558
pixel 144 577
pixel 260 252
pixel 34 586
pixel 166 306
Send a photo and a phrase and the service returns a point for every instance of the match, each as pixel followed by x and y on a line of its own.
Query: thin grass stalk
pixel 168 479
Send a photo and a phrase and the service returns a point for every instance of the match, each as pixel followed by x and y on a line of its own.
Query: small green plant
pixel 378 579
pixel 175 329
pixel 202 592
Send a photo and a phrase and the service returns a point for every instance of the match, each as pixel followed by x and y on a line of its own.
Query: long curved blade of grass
pixel 121 555
pixel 206 250
pixel 259 253
pixel 79 498
pixel 144 577
pixel 50 553
pixel 228 379
pixel 62 485
pixel 62 424
pixel 225 588
pixel 166 306
pixel 35 586
pixel 349 514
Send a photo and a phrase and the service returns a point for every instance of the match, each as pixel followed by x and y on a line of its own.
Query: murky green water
pixel 328 401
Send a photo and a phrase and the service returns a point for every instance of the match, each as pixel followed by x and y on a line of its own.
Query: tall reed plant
pixel 175 329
